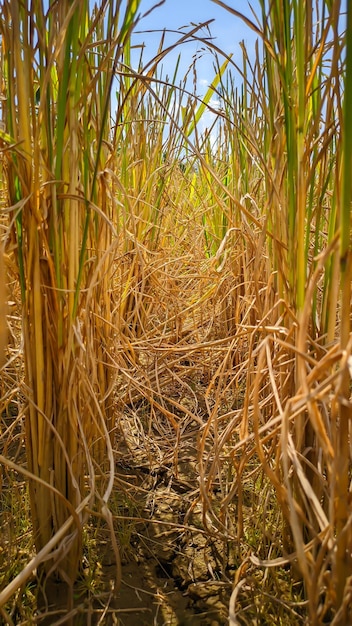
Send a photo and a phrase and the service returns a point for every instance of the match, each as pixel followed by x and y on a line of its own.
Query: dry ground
pixel 172 572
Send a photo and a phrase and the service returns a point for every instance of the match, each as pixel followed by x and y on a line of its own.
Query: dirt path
pixel 172 572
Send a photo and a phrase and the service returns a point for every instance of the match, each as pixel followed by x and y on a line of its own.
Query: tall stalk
pixel 59 63
pixel 3 309
pixel 343 557
pixel 299 86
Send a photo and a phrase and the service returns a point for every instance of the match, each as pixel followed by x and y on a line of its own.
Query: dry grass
pixel 185 295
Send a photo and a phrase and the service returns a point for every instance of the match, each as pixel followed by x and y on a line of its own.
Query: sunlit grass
pixel 174 282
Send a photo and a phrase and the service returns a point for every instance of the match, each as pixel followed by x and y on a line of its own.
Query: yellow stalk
pixel 3 309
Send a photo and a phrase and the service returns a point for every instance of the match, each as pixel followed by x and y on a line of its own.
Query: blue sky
pixel 226 29
pixel 177 17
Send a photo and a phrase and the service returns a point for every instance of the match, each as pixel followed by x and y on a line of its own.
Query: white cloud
pixel 215 104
